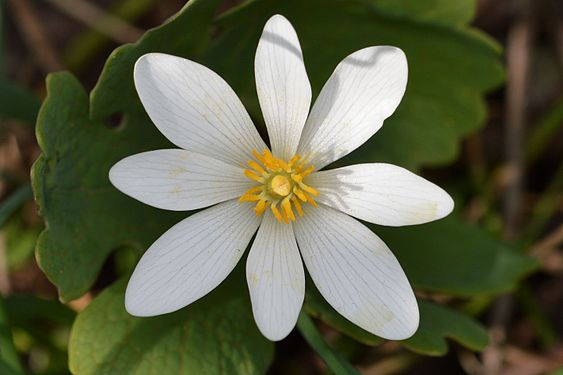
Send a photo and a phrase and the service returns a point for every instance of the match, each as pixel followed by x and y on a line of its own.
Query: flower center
pixel 281 186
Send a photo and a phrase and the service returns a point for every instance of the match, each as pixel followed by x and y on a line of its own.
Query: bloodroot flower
pixel 300 213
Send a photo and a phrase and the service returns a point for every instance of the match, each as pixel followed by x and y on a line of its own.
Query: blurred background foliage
pixel 482 117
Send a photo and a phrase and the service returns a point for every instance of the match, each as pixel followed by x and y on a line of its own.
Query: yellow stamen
pixel 254 165
pixel 308 171
pixel 269 160
pixel 258 156
pixel 250 195
pixel 309 189
pixel 276 213
pixel 280 185
pixel 284 165
pixel 297 206
pixel 311 201
pixel 286 206
pixel 294 160
pixel 297 178
pixel 261 207
pixel 253 176
pixel 253 190
pixel 249 198
pixel 284 216
pixel 300 194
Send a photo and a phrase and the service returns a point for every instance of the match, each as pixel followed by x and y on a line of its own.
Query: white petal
pixel 282 85
pixel 178 180
pixel 190 259
pixel 276 279
pixel 364 89
pixel 357 273
pixel 383 194
pixel 195 108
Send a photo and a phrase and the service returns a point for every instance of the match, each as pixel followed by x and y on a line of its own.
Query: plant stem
pixel 332 359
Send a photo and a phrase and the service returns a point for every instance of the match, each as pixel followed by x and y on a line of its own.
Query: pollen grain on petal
pixel 281 186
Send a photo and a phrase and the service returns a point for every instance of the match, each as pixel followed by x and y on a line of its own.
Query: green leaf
pixel 453 257
pixel 444 12
pixel 9 361
pixel 333 360
pixel 438 323
pixel 316 306
pixel 86 217
pixel 18 103
pixel 216 335
pixel 450 69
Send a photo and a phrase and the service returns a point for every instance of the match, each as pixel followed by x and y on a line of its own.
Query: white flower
pixel 299 213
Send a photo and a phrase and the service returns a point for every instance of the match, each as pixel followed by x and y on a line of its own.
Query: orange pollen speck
pixel 281 186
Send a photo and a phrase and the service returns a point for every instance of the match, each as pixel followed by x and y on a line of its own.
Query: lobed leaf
pixel 86 217
pixel 200 339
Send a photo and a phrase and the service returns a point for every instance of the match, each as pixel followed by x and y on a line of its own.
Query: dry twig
pixel 99 20
pixel 33 32
pixel 518 50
